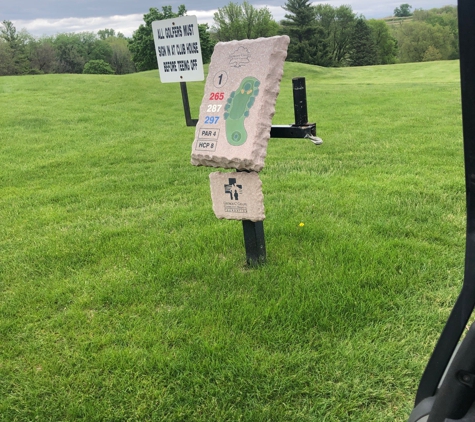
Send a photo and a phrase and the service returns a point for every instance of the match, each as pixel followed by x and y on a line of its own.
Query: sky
pixel 49 17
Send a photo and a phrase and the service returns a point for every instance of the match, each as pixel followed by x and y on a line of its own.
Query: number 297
pixel 211 120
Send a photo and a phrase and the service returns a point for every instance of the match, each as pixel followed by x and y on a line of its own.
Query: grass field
pixel 122 297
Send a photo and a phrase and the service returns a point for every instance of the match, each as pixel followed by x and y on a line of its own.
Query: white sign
pixel 177 44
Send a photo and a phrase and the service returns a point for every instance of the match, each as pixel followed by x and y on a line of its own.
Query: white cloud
pixel 126 24
pixel 203 16
pixel 276 11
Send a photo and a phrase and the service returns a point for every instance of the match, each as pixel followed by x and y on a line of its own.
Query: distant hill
pixel 393 20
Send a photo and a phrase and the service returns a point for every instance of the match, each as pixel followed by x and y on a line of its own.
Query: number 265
pixel 216 96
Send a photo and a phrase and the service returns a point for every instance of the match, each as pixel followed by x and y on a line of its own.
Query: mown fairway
pixel 122 297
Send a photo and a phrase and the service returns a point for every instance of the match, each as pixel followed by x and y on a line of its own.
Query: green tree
pixel 69 53
pixel 7 62
pixel 73 50
pixel 416 38
pixel 431 54
pixel 43 55
pixel 238 22
pixel 97 49
pixel 121 57
pixel 308 43
pixel 403 11
pixel 299 22
pixel 362 48
pixel 338 24
pixel 142 45
pixel 98 67
pixel 17 43
pixel 106 33
pixel 445 16
pixel 103 34
pixel 386 44
pixel 207 44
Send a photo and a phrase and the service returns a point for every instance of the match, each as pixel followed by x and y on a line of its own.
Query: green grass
pixel 122 297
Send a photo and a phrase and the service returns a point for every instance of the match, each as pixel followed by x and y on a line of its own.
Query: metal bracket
pixel 293 131
pixel 308 131
pixel 301 129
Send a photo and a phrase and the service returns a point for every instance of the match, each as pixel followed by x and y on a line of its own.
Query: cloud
pixel 203 16
pixel 126 24
pixel 276 11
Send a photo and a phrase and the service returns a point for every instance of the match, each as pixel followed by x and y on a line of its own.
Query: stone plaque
pixel 237 196
pixel 239 102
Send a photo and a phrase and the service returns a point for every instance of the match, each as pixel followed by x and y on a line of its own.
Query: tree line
pixel 320 35
pixel 335 36
pixel 428 35
pixel 104 52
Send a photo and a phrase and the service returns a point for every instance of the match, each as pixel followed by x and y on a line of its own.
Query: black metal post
pixel 254 241
pixel 300 101
pixel 186 105
pixel 301 128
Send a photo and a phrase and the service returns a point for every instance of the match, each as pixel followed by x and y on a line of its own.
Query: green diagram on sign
pixel 237 110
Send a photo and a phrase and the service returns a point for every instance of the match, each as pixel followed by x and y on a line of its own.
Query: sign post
pixel 234 129
pixel 235 116
pixel 178 49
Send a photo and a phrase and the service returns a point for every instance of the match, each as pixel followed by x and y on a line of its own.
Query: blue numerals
pixel 211 120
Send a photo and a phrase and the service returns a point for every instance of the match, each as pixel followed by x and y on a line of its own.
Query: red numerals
pixel 216 96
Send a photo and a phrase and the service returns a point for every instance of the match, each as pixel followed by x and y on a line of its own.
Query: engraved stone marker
pixel 239 102
pixel 237 196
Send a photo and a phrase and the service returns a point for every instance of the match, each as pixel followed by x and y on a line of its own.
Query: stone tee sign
pixel 237 196
pixel 239 102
